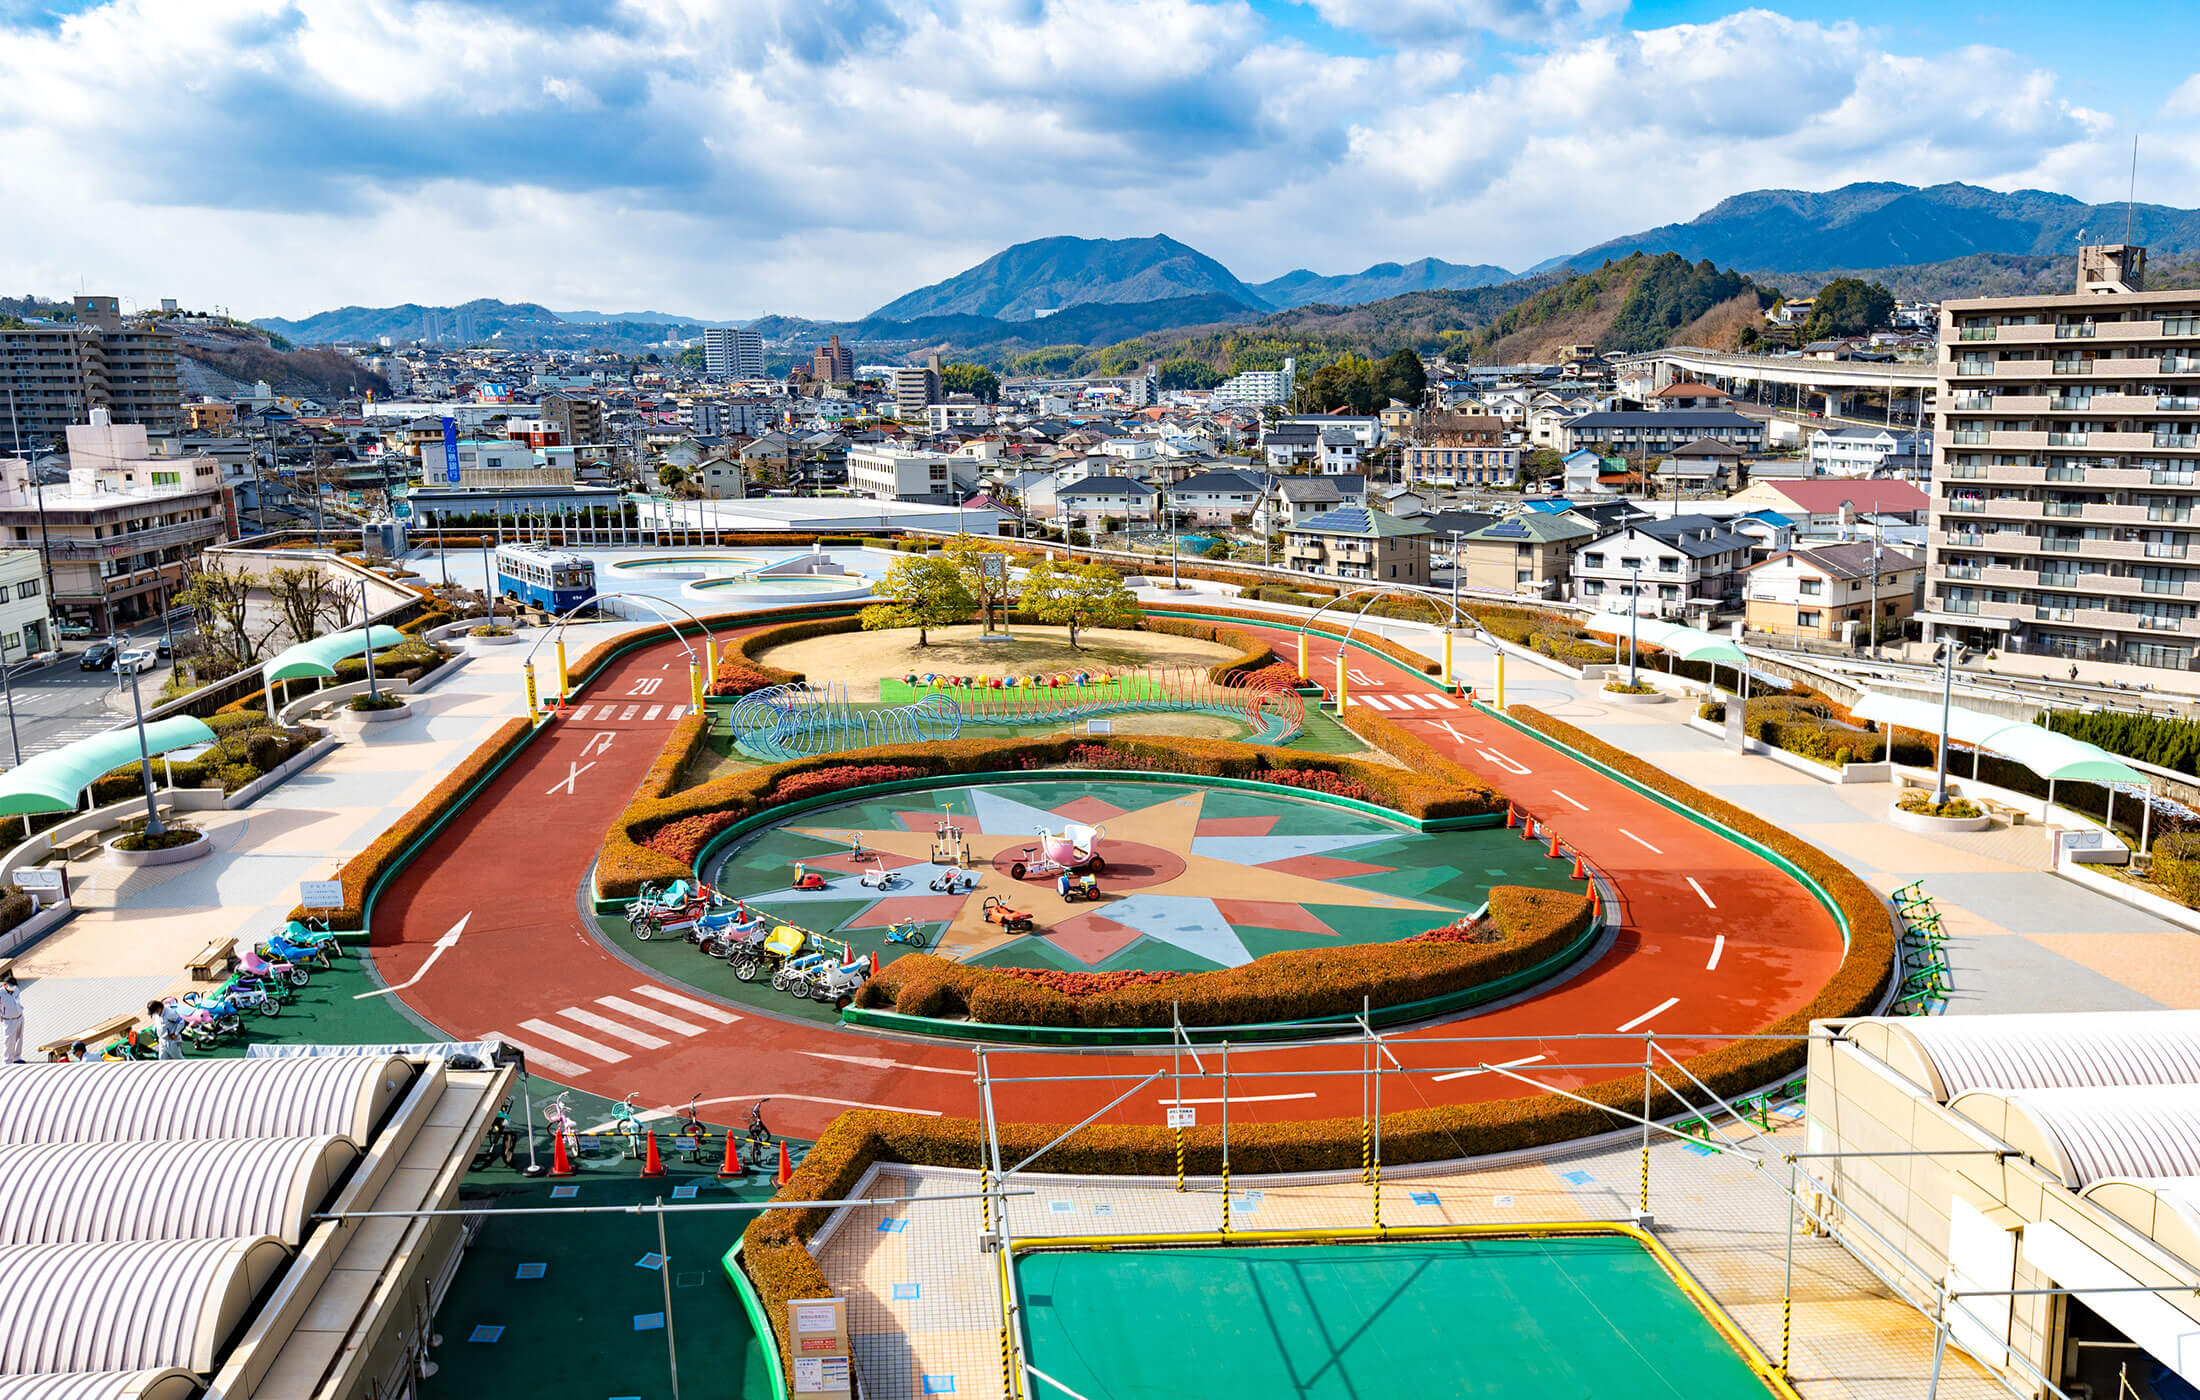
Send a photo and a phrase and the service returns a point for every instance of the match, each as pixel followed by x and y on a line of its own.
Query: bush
pixel 140 840
pixel 370 703
pixel 1621 687
pixel 2177 866
pixel 15 907
pixel 265 751
pixel 1921 804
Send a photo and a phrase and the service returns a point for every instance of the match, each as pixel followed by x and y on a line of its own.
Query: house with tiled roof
pixel 1683 566
pixel 1529 553
pixel 1355 542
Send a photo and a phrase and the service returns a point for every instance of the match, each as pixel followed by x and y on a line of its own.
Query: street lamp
pixel 7 689
pixel 366 627
pixel 153 824
pixel 1455 534
pixel 1634 617
pixel 1950 653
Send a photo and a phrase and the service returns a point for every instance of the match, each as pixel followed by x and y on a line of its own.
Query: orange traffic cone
pixel 652 1164
pixel 1512 816
pixel 1553 852
pixel 786 1169
pixel 1527 828
pixel 560 1163
pixel 731 1166
pixel 1581 872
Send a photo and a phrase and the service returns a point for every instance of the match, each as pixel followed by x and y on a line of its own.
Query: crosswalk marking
pixel 652 713
pixel 631 711
pixel 700 1008
pixel 677 712
pixel 591 1048
pixel 652 1017
pixel 1422 700
pixel 1444 702
pixel 617 1030
pixel 1373 702
pixel 538 1059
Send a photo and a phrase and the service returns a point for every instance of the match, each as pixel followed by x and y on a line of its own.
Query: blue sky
pixel 732 157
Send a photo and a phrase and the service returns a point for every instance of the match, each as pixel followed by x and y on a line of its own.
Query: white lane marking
pixel 814 1098
pixel 593 1049
pixel 1640 842
pixel 1358 677
pixel 1699 893
pixel 1456 736
pixel 1718 946
pixel 1578 806
pixel 537 1059
pixel 654 710
pixel 599 742
pixel 1422 700
pixel 631 711
pixel 677 712
pixel 1660 1009
pixel 1506 762
pixel 448 940
pixel 573 771
pixel 689 1004
pixel 1373 702
pixel 875 1062
pixel 1242 1098
pixel 652 1017
pixel 617 1030
pixel 1470 1073
pixel 1443 702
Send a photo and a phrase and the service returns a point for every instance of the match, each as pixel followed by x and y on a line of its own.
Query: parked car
pixel 137 659
pixel 76 631
pixel 96 657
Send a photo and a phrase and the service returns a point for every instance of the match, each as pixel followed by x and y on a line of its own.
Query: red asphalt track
pixel 1713 940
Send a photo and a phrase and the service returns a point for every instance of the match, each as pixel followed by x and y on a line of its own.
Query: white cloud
pixel 723 157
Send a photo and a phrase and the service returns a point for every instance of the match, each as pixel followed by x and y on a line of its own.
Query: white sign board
pixel 1099 726
pixel 820 1374
pixel 1183 1116
pixel 321 894
pixel 38 879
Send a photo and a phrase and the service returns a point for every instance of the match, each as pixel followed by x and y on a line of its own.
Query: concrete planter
pixel 197 848
pixel 1911 821
pixel 475 645
pixel 399 711
pixel 1620 697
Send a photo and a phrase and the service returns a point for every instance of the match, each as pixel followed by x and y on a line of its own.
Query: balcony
pixel 1971 403
pixel 2063 509
pixel 2073 366
pixel 2177 403
pixel 2157 550
pixel 1967 606
pixel 1966 471
pixel 2066 439
pixel 1970 437
pixel 2180 364
pixel 1960 571
pixel 2182 324
pixel 1975 367
pixel 2070 403
pixel 1967 507
pixel 2064 475
pixel 2079 331
pixel 2183 440
pixel 1977 332
pixel 2169 478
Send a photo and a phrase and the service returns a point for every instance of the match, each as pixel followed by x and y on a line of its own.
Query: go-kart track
pixel 482 935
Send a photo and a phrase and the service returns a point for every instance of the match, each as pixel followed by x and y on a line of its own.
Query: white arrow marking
pixel 572 776
pixel 448 940
pixel 1508 764
pixel 598 742
pixel 874 1062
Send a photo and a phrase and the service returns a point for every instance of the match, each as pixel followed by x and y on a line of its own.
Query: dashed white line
pixel 1373 702
pixel 1578 806
pixel 1660 1009
pixel 1640 842
pixel 644 1014
pixel 1242 1098
pixel 594 1049
pixel 1699 892
pixel 1444 702
pixel 1718 946
pixel 1422 700
pixel 617 1030
pixel 689 1004
pixel 631 711
pixel 538 1059
pixel 653 712
pixel 1470 1073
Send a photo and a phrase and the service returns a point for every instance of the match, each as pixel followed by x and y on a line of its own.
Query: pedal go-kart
pixel 654 900
pixel 996 911
pixel 1077 889
pixel 954 882
pixel 773 950
pixel 879 878
pixel 806 879
pixel 1074 849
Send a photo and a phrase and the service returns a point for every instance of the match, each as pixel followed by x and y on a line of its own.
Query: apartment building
pixel 577 420
pixel 1531 554
pixel 916 389
pixel 52 375
pixel 121 534
pixel 1255 388
pixel 886 473
pixel 1353 542
pixel 833 363
pixel 1459 449
pixel 1659 431
pixel 733 354
pixel 2064 485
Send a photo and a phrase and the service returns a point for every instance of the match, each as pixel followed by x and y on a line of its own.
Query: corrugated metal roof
pixel 167 1384
pixel 197 1099
pixel 124 1307
pixel 97 1192
pixel 2058 1050
pixel 2132 1130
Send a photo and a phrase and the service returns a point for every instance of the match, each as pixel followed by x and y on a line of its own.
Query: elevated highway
pixel 1833 380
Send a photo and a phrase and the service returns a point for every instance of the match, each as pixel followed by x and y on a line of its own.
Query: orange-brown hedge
pixel 625 861
pixel 362 870
pixel 1411 659
pixel 1525 927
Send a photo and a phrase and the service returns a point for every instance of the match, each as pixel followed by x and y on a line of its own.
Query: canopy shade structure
pixel 51 782
pixel 319 656
pixel 2045 752
pixel 1688 643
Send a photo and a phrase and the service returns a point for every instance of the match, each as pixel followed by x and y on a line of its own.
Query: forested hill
pixel 1640 302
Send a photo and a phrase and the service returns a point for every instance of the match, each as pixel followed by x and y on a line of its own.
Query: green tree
pixel 984 572
pixel 1349 382
pixel 1402 376
pixel 923 591
pixel 1541 464
pixel 1078 596
pixel 671 475
pixel 1850 306
pixel 690 358
pixel 1183 373
pixel 963 377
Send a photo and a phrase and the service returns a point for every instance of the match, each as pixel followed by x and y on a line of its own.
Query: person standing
pixel 167 1028
pixel 11 1019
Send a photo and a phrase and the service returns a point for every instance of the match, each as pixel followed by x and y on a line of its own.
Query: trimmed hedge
pixel 246 748
pixel 627 860
pixel 1373 642
pixel 1524 927
pixel 2177 866
pixel 361 871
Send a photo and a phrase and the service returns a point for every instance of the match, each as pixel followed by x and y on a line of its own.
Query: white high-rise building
pixel 736 354
pixel 1256 388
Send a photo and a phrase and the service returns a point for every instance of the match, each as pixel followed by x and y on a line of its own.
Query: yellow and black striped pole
pixel 985 1198
pixel 1008 1367
pixel 1367 1151
pixel 1225 1195
pixel 1179 1132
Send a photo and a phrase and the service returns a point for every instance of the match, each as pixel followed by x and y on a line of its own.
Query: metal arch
pixel 564 619
pixel 1458 614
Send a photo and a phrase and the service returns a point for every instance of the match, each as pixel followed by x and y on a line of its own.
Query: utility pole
pixel 38 494
pixel 1634 617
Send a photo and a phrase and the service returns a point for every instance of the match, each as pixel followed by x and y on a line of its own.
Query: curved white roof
pixel 2086 1135
pixel 1952 1055
pixel 140 1101
pixel 98 1192
pixel 128 1307
pixel 169 1384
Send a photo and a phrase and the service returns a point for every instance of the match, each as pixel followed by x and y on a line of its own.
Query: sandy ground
pixel 861 659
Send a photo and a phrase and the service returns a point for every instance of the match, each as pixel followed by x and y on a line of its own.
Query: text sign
pixel 321 894
pixel 1183 1116
pixel 450 451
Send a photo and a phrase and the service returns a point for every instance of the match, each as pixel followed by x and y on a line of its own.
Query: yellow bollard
pixel 1340 682
pixel 533 699
pixel 710 656
pixel 565 684
pixel 1449 680
pixel 1500 680
pixel 695 685
pixel 1304 674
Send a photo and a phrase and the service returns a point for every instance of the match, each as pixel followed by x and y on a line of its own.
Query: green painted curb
pixel 758 1322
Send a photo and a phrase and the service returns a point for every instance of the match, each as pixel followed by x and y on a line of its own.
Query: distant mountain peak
pixel 1383 279
pixel 1047 274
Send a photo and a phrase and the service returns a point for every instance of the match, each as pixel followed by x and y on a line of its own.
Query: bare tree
pixel 307 597
pixel 223 597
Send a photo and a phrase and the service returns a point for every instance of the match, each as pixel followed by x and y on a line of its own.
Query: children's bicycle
pixel 627 1125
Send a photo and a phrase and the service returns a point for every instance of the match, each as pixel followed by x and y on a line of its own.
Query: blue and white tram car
pixel 550 579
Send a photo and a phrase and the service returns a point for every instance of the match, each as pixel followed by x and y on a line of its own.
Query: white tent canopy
pixel 2051 755
pixel 1688 643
